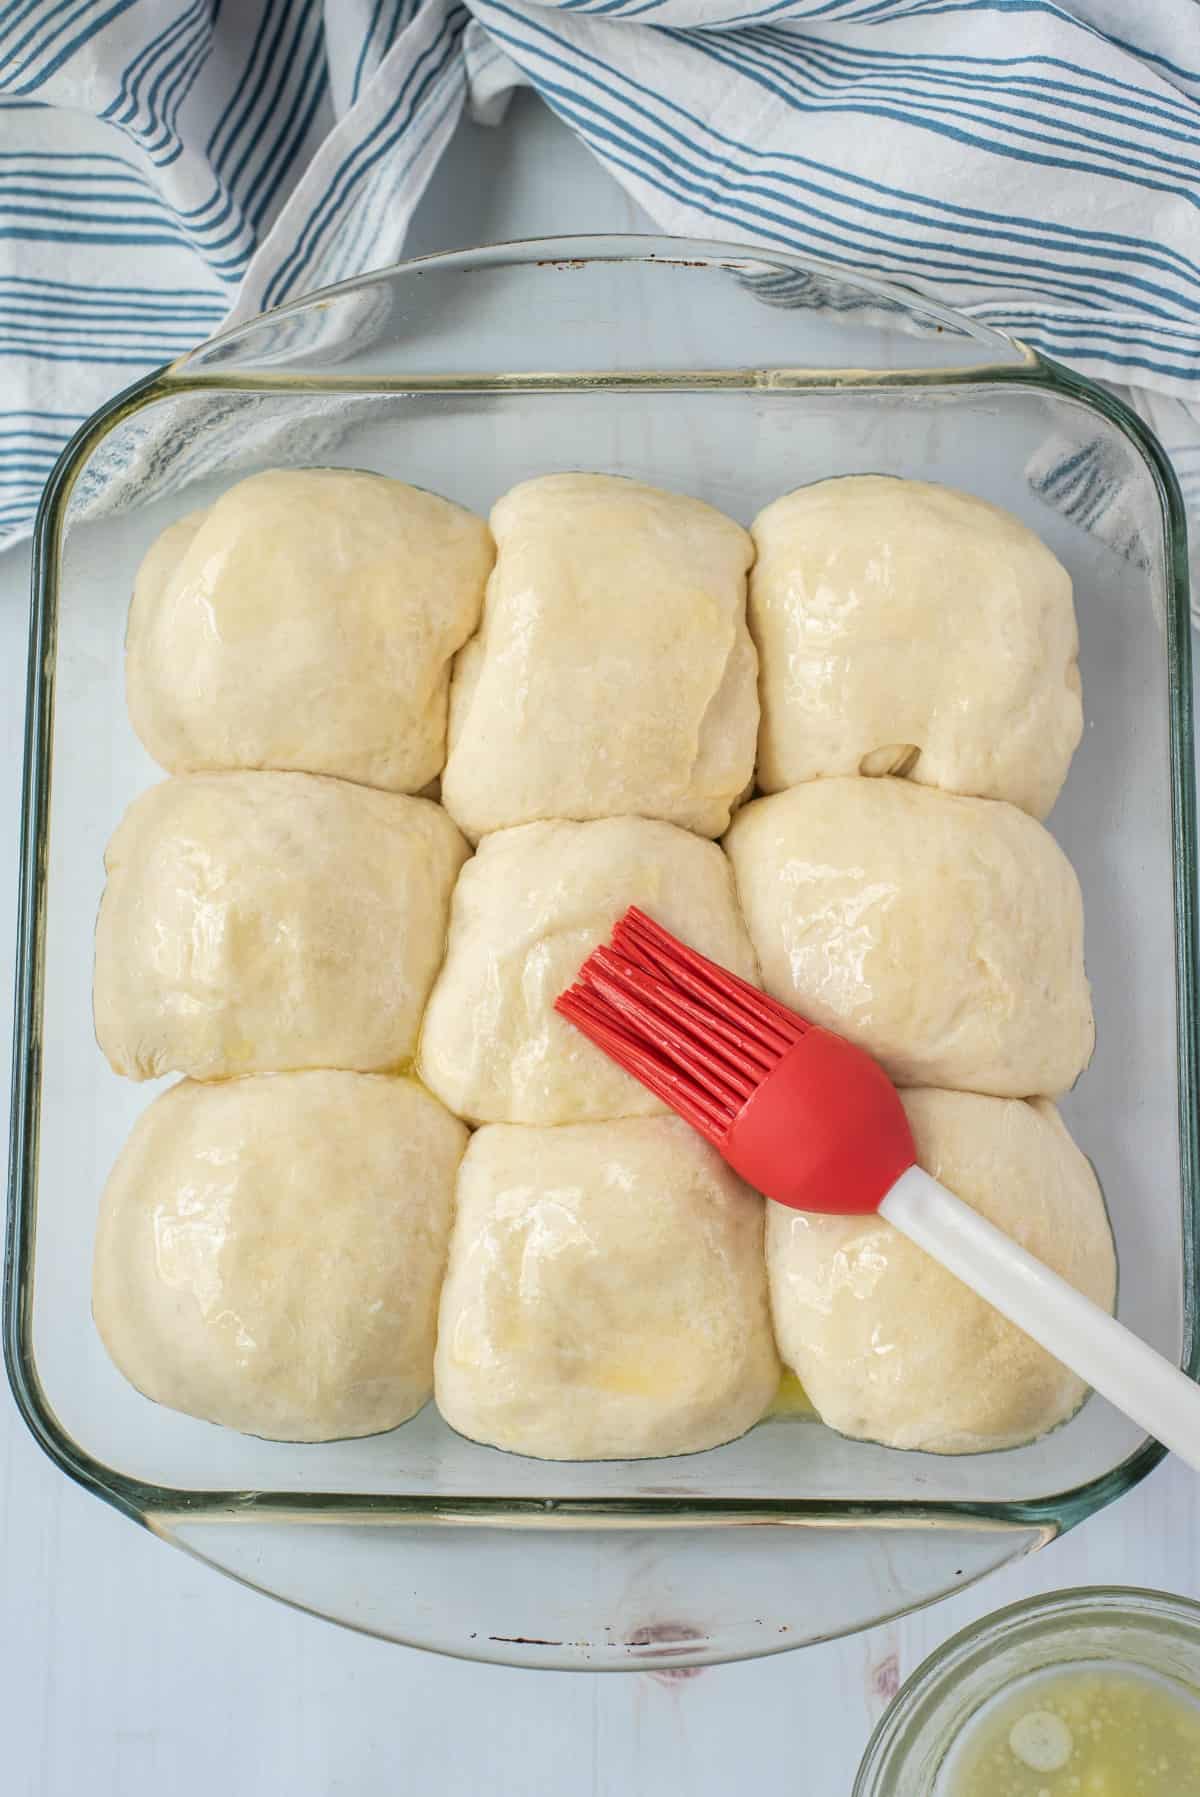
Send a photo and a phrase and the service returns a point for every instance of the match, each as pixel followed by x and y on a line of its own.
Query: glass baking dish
pixel 735 375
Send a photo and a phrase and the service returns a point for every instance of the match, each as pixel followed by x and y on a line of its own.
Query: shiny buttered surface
pixel 307 620
pixel 942 934
pixel 270 1250
pixel 528 910
pixel 284 920
pixel 255 923
pixel 606 1296
pixel 906 628
pixel 891 1347
pixel 613 672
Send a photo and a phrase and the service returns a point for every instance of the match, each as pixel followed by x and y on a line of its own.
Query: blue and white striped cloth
pixel 168 166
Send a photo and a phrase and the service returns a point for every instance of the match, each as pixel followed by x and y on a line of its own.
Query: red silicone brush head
pixel 801 1114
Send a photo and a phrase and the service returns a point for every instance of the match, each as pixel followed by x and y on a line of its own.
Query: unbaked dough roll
pixel 606 1295
pixel 253 923
pixel 906 627
pixel 892 1348
pixel 943 934
pixel 527 911
pixel 613 673
pixel 269 1251
pixel 306 620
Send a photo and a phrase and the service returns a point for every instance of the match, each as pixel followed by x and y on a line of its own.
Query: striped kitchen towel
pixel 166 167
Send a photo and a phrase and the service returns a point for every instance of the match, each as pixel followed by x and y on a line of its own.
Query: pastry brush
pixel 813 1122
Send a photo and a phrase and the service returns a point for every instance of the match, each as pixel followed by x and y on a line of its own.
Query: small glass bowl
pixel 1147 1631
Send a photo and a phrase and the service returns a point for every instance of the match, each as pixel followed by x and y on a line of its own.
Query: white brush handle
pixel 1117 1363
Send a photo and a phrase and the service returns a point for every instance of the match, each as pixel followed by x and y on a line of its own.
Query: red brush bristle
pixel 648 944
pixel 698 1036
pixel 825 1130
pixel 606 1029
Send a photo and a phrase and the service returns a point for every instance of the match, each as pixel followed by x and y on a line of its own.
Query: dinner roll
pixel 306 620
pixel 606 1295
pixel 259 922
pixel 613 673
pixel 943 934
pixel 906 627
pixel 269 1251
pixel 892 1348
pixel 527 910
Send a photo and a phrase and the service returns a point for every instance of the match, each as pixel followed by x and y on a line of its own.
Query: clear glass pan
pixel 734 375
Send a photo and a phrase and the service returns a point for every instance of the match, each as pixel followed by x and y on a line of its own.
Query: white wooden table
pixel 126 1669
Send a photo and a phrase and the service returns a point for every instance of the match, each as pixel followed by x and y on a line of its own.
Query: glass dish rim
pixel 142 1500
pixel 1062 1609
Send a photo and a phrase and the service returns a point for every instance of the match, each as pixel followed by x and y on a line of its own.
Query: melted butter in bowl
pixel 1083 1731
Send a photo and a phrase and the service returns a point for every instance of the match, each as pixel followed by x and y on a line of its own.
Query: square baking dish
pixel 733 375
